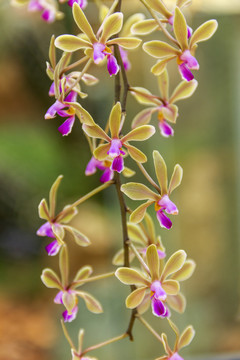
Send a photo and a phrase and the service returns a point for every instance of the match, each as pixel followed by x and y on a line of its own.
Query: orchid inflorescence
pixel 155 278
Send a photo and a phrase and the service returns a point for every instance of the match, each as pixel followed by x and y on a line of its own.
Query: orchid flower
pixel 48 8
pixel 155 286
pixel 164 106
pixel 161 201
pixel 68 291
pixel 114 146
pixel 56 224
pixel 97 48
pixel 105 166
pixel 81 3
pixel 147 26
pixel 141 236
pixel 182 340
pixel 185 54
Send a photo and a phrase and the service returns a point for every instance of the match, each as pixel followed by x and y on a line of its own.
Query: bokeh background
pixel 33 154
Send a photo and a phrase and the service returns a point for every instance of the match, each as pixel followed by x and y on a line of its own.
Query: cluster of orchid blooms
pixel 156 281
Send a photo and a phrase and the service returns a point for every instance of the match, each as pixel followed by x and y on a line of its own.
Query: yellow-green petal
pixel 80 239
pixel 136 234
pixel 159 49
pixel 144 96
pixel 71 43
pixel 136 154
pixel 176 178
pixel 204 32
pixel 135 298
pixel 53 194
pixel 126 42
pixel 171 287
pixel 153 261
pixel 132 20
pixel 140 133
pixel 159 6
pixel 115 120
pixel 185 272
pixel 174 263
pixel 144 27
pixel 180 29
pixel 83 23
pixel 96 131
pixel 43 210
pixel 161 172
pixel 92 304
pixel 186 337
pixel 101 152
pixel 170 112
pixel 143 118
pixel 50 279
pixel 69 300
pixel 160 66
pixel 83 273
pixel 177 302
pixel 184 90
pixel 138 214
pixel 137 191
pixel 112 25
pixel 130 276
pixel 163 84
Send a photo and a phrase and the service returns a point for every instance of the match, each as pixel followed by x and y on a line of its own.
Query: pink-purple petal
pixel 118 164
pixel 168 205
pixel 158 291
pixel 125 60
pixel 66 127
pixel 189 60
pixel 81 3
pixel 107 175
pixel 112 65
pixel 34 5
pixel 158 308
pixel 48 15
pixel 115 148
pixel 52 111
pixel 165 129
pixel 185 72
pixel 68 317
pixel 98 52
pixel 176 356
pixel 46 230
pixel 163 220
pixel 58 298
pixel 53 248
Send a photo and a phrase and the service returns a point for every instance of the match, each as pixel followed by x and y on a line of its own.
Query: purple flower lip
pixel 68 317
pixel 187 61
pixel 104 166
pixel 157 291
pixel 115 148
pixel 100 51
pixel 53 248
pixel 158 295
pixel 166 204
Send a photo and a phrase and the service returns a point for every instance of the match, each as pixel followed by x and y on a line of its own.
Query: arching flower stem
pixel 148 177
pixel 73 65
pixel 104 343
pixel 84 70
pixel 148 326
pixel 94 278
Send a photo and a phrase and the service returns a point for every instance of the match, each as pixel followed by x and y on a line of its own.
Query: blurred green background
pixel 33 154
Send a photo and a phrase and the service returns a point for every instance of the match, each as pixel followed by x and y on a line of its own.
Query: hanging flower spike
pixel 97 48
pixel 181 341
pixel 68 291
pixel 153 287
pixel 48 8
pixel 185 59
pixel 165 108
pixel 54 228
pixel 163 204
pixel 114 146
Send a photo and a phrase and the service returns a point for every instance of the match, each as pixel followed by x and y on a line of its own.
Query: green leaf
pixel 137 191
pixel 51 279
